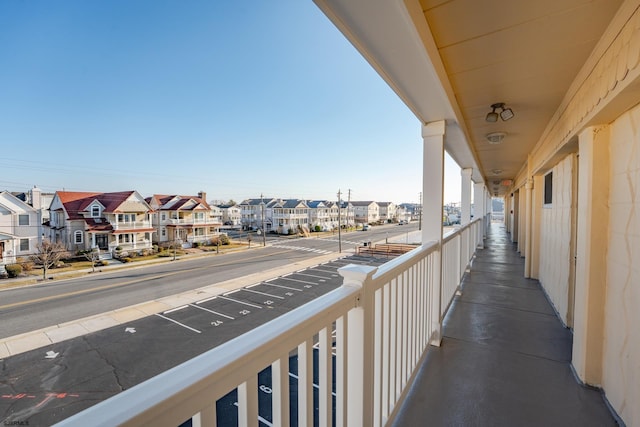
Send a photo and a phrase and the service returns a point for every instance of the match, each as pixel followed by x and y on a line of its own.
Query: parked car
pixel 365 227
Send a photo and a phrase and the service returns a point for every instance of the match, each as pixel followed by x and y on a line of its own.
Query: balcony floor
pixel 505 355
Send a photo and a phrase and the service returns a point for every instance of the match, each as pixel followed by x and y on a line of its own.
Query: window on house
pixel 163 232
pixel 95 211
pixel 548 188
pixel 23 219
pixel 77 237
pixel 164 216
pixel 24 245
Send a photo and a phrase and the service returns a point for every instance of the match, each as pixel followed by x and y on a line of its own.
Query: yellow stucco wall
pixel 621 365
pixel 555 238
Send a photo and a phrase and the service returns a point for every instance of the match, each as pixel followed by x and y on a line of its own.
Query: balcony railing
pixel 190 221
pixel 374 330
pixel 130 225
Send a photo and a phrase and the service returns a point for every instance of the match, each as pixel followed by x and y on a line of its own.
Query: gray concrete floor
pixel 505 355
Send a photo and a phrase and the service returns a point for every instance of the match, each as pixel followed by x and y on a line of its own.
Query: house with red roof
pixel 86 220
pixel 184 219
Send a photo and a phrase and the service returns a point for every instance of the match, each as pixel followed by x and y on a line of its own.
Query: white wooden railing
pixel 130 225
pixel 375 330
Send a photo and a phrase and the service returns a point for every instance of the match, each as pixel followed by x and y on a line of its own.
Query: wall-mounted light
pixel 505 113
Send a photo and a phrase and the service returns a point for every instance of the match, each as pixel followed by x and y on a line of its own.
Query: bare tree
pixel 48 254
pixel 92 255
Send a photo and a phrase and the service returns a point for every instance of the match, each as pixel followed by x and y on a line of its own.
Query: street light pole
pixel 339 225
pixel 264 236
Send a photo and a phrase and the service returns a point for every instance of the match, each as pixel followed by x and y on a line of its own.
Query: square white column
pixel 465 214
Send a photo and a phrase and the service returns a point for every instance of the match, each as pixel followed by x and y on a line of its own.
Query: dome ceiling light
pixel 495 137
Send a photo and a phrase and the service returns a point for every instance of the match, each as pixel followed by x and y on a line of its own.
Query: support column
pixel 465 203
pixel 591 254
pixel 536 215
pixel 479 199
pixel 433 197
pixel 526 251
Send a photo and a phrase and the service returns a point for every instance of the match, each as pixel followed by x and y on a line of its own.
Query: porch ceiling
pixel 452 59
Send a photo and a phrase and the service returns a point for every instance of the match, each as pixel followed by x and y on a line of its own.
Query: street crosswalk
pixel 302 248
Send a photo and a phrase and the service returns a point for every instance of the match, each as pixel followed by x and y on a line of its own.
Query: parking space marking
pixel 239 302
pixel 314 384
pixel 176 309
pixel 178 323
pixel 298 280
pixel 206 300
pixel 211 311
pixel 322 278
pixel 283 287
pixel 264 293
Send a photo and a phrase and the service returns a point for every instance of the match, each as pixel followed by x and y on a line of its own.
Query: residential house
pixel 20 230
pixel 231 215
pixel 257 213
pixel 291 216
pixel 320 215
pixel 366 212
pixel 86 220
pixel 387 211
pixel 39 200
pixel 184 219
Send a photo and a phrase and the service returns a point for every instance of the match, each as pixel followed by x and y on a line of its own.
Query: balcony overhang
pixel 398 44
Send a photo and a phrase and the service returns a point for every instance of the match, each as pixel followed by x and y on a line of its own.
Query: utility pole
pixel 264 235
pixel 348 204
pixel 339 225
pixel 420 205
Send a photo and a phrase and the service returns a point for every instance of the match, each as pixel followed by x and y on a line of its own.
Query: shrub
pixel 224 239
pixel 102 262
pixel 145 252
pixel 26 263
pixel 165 254
pixel 318 228
pixel 195 244
pixel 133 254
pixel 155 248
pixel 13 270
pixel 125 259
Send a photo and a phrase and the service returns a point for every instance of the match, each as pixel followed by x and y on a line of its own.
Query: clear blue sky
pixel 233 98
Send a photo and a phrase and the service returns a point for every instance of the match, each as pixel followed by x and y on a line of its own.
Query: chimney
pixel 202 195
pixel 36 200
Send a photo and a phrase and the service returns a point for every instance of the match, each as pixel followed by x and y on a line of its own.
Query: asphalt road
pixel 55 302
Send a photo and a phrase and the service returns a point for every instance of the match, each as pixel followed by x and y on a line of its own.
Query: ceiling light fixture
pixel 505 113
pixel 495 137
pixel 497 171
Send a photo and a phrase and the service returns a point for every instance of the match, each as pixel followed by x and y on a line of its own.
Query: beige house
pixel 107 221
pixel 184 219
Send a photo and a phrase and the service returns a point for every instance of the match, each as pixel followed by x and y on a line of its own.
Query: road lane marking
pixel 178 323
pixel 211 311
